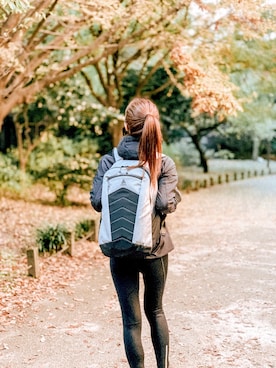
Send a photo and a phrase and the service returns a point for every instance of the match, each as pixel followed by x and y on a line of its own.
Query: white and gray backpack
pixel 127 208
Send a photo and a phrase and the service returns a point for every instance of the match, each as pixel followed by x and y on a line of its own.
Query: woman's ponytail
pixel 150 146
pixel 142 120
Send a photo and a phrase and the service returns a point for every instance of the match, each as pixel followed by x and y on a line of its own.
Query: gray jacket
pixel 167 198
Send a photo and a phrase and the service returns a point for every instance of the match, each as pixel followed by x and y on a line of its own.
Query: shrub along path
pixel 220 297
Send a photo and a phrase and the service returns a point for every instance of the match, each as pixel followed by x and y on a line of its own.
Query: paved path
pixel 220 298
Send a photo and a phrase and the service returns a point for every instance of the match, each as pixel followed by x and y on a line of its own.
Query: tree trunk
pixel 21 95
pixel 116 132
pixel 203 159
pixel 20 146
pixel 255 150
pixel 268 152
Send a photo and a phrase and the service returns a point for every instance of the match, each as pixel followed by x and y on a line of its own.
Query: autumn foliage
pixel 211 90
pixel 44 42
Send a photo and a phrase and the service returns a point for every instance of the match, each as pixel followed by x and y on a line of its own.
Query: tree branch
pixel 90 86
pixel 39 25
pixel 150 74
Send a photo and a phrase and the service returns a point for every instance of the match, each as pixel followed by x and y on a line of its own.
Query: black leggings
pixel 125 274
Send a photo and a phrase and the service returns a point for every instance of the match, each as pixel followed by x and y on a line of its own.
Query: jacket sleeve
pixel 96 191
pixel 168 196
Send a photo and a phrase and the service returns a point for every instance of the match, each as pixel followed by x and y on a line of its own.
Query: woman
pixel 144 142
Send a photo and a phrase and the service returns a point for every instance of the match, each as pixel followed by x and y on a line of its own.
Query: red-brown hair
pixel 142 120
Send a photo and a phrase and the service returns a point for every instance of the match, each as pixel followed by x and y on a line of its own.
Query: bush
pixel 182 152
pixel 224 154
pixel 60 163
pixel 185 184
pixel 239 144
pixel 52 238
pixel 11 178
pixel 83 228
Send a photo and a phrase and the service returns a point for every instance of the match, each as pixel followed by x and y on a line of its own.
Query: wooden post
pixel 33 262
pixel 196 187
pixel 235 176
pixel 96 228
pixel 204 183
pixel 211 181
pixel 219 179
pixel 71 244
pixel 242 175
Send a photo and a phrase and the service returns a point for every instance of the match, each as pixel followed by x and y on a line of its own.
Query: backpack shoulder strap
pixel 116 155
